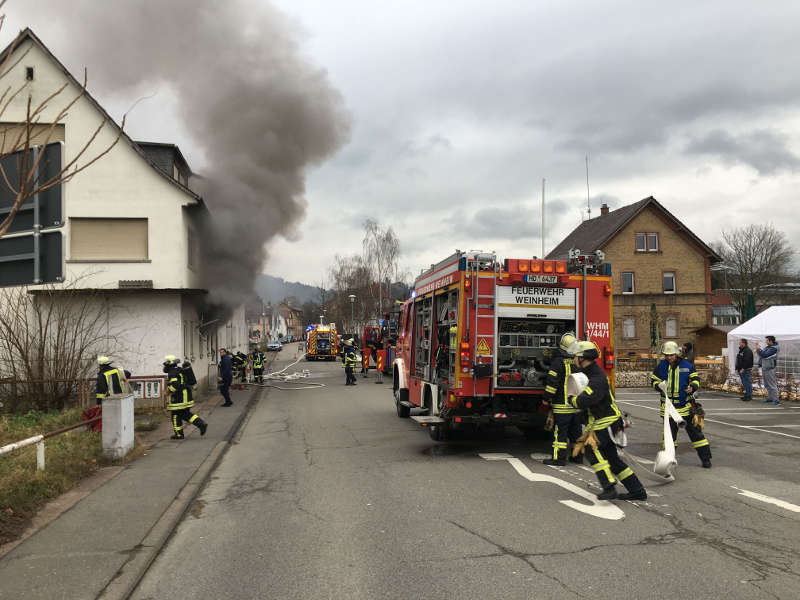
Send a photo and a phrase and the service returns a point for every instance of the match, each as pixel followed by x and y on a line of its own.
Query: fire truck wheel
pixel 438 433
pixel 403 412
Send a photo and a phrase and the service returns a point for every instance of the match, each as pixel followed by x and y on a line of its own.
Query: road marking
pixel 768 499
pixel 598 508
pixel 771 426
pixel 748 427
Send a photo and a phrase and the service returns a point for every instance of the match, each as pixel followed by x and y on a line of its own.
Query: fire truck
pixel 476 337
pixel 321 343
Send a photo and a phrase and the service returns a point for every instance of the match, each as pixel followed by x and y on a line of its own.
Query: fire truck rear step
pixel 425 420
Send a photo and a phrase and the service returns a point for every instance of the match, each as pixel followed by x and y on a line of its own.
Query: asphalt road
pixel 328 494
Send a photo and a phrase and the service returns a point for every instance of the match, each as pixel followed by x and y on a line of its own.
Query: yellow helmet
pixel 566 341
pixel 103 360
pixel 586 349
pixel 170 359
pixel 670 348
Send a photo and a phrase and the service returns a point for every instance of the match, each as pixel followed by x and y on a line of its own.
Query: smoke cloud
pixel 259 110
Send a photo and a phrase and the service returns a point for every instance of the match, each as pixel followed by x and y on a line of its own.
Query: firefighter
pixel 567 418
pixel 240 363
pixel 349 362
pixel 602 414
pixel 180 399
pixel 258 365
pixel 109 379
pixel 682 383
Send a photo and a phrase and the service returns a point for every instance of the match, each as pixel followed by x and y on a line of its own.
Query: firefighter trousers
pixel 181 415
pixel 258 374
pixel 350 377
pixel 608 466
pixel 567 429
pixel 699 441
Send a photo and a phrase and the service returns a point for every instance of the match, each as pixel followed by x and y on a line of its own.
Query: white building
pixel 129 226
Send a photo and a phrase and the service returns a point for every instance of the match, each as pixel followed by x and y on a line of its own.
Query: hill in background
pixel 275 289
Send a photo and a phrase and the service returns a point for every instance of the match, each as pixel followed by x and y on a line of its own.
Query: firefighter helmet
pixel 670 348
pixel 170 359
pixel 566 341
pixel 586 349
pixel 103 360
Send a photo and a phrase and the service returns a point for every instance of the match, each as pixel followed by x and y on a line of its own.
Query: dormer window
pixel 29 73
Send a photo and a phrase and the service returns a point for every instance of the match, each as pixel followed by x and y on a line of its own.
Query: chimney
pixel 604 209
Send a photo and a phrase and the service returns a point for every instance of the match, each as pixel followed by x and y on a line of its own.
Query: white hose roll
pixel 576 383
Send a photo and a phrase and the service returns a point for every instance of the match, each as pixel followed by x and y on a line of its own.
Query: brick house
pixel 660 273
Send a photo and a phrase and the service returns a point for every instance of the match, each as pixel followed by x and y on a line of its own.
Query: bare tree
pixel 48 339
pixel 18 137
pixel 756 255
pixel 381 249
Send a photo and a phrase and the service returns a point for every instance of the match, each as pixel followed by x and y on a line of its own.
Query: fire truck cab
pixel 477 335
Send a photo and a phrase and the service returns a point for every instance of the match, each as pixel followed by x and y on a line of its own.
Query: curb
pixel 127 579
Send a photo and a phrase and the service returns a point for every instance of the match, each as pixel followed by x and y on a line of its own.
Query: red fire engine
pixel 476 337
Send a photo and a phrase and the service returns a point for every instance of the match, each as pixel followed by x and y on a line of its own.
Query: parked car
pixel 274 347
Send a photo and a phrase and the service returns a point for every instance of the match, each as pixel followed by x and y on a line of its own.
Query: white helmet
pixel 103 360
pixel 670 348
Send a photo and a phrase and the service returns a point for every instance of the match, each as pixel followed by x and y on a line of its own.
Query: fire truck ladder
pixel 480 258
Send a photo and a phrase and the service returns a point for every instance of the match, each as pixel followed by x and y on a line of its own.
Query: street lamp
pixel 352 305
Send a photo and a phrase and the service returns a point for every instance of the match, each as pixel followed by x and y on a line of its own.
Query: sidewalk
pixel 105 542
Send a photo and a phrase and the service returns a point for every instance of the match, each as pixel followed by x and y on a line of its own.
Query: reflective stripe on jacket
pixel 597 399
pixel 555 389
pixel 109 382
pixel 180 394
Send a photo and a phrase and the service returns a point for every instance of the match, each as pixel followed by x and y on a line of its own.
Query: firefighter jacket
pixel 679 376
pixel 555 389
pixel 180 394
pixel 109 381
pixel 597 400
pixel 350 359
pixel 258 359
pixel 239 361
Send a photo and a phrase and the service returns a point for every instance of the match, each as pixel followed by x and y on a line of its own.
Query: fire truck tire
pixel 438 433
pixel 404 412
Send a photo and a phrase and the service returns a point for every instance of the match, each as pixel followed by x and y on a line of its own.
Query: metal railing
pixel 39 441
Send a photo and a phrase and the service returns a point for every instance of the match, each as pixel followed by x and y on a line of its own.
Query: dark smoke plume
pixel 260 112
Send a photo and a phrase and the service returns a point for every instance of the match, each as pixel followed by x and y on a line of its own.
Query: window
pixel 671 327
pixel 108 239
pixel 29 73
pixel 647 242
pixel 627 282
pixel 669 282
pixel 629 328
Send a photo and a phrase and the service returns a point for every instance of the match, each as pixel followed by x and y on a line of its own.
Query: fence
pixel 148 390
pixel 39 441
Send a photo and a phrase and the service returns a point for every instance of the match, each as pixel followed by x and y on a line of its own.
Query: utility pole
pixel 588 205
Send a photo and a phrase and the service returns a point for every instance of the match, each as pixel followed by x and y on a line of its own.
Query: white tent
pixel 781 321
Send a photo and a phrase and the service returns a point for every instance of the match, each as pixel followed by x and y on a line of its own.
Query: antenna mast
pixel 542 217
pixel 588 205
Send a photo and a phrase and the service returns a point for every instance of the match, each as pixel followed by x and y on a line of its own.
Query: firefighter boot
pixel 557 460
pixel 634 487
pixel 608 493
pixel 577 459
pixel 201 425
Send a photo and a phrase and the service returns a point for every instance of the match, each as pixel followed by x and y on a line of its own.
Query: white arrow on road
pixel 597 508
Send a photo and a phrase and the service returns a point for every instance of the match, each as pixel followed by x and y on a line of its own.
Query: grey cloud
pixel 765 150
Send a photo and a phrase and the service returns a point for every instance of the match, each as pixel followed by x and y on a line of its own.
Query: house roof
pixel 28 34
pixel 595 233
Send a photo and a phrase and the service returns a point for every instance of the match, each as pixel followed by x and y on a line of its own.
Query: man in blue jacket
pixel 225 376
pixel 768 361
pixel 681 383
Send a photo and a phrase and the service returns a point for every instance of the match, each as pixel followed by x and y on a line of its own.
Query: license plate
pixel 541 278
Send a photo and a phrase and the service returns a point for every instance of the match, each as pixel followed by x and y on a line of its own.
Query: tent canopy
pixel 781 321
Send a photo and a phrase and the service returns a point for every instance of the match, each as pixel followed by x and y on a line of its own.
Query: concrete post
pixel 117 425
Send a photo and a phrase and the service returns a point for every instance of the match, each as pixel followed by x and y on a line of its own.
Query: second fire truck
pixel 321 343
pixel 475 339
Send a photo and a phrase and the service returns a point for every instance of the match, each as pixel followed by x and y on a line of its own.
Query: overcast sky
pixel 459 109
